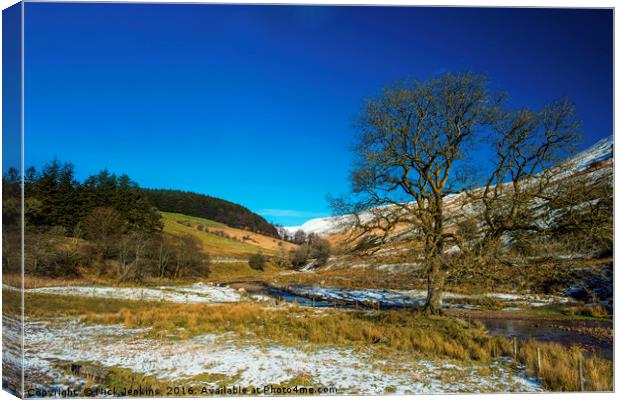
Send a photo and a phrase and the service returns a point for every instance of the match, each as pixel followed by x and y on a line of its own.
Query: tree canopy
pixel 411 151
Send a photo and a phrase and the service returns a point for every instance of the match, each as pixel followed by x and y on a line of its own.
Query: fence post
pixel 538 363
pixel 581 380
pixel 514 347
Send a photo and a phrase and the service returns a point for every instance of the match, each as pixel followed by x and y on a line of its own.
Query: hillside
pixel 212 208
pixel 220 240
pixel 599 158
pixel 396 262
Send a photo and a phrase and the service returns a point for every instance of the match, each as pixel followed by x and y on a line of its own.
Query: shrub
pixel 318 249
pixel 299 256
pixel 257 261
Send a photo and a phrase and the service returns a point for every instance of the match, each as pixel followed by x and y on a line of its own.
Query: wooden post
pixel 582 381
pixel 538 363
pixel 514 347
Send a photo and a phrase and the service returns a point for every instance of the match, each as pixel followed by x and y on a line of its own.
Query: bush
pixel 257 261
pixel 318 250
pixel 299 256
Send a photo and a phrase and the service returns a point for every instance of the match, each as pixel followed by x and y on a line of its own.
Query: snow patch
pixel 252 364
pixel 197 293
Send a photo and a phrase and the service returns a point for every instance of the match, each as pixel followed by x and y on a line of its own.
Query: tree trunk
pixel 434 251
pixel 434 289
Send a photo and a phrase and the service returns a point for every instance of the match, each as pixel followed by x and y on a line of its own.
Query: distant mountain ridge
pixel 213 208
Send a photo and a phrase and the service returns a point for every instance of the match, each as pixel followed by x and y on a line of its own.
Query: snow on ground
pixel 399 267
pixel 408 298
pixel 208 293
pixel 247 363
pixel 197 293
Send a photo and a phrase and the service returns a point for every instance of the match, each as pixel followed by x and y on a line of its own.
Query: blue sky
pixel 256 105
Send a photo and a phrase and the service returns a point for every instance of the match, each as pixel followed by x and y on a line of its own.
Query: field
pixel 256 341
pixel 219 240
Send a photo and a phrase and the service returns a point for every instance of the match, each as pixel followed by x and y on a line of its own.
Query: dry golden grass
pixel 597 311
pixel 390 333
pixel 87 278
pixel 33 281
pixel 241 271
pixel 368 278
pixel 393 332
pixel 39 305
pixel 559 369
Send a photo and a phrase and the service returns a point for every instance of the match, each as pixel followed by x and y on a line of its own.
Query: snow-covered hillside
pixel 320 226
pixel 599 152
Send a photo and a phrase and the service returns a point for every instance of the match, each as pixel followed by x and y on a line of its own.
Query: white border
pixel 462 3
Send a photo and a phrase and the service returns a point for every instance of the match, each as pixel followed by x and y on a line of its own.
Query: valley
pixel 350 325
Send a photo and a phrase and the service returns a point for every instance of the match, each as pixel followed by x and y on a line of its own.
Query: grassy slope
pixel 217 245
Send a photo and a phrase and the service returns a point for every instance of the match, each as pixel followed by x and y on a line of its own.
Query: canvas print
pixel 226 199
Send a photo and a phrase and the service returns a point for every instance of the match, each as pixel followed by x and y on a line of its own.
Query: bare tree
pixel 164 252
pixel 133 257
pixel 299 237
pixel 517 191
pixel 188 256
pixel 411 149
pixel 104 226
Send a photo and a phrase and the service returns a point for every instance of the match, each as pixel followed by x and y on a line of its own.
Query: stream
pixel 563 331
pixel 558 331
